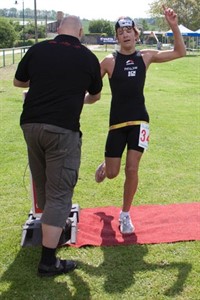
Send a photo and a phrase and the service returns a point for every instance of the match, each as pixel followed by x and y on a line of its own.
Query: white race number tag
pixel 144 136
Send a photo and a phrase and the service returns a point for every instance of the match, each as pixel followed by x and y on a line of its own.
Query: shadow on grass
pixel 121 265
pixel 119 271
pixel 21 281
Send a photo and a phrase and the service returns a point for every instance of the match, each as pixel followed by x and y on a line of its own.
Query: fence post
pixel 13 55
pixel 4 58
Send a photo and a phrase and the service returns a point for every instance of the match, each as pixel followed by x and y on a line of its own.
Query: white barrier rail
pixel 9 56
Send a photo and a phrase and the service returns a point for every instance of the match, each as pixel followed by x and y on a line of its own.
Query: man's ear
pixel 81 32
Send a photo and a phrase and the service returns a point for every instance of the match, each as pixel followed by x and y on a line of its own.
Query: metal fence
pixel 9 56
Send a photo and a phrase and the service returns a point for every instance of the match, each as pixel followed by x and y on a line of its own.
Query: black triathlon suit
pixel 127 104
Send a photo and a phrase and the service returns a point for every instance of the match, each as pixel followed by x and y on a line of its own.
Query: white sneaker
pixel 125 225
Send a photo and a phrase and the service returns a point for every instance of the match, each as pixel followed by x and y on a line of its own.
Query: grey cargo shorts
pixel 54 155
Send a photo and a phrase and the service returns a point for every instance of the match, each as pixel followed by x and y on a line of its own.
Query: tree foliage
pixel 28 13
pixel 7 34
pixel 188 12
pixel 101 26
pixel 29 30
pixel 12 33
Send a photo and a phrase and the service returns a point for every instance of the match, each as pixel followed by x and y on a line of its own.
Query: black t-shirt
pixel 127 84
pixel 60 72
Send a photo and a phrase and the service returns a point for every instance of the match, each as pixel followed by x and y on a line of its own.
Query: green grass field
pixel 169 173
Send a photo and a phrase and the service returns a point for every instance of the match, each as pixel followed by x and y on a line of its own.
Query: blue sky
pixel 101 9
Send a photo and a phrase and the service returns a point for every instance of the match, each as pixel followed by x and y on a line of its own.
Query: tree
pixel 144 25
pixel 7 34
pixel 28 13
pixel 101 26
pixel 30 30
pixel 13 12
pixel 188 12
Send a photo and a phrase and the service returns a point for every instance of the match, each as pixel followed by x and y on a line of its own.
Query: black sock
pixel 48 256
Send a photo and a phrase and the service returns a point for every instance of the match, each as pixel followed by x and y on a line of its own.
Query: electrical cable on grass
pixel 24 175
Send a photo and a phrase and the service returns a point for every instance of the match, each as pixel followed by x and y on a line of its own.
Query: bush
pixel 21 43
pixel 7 34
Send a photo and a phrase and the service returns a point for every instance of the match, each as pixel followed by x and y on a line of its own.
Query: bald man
pixel 61 75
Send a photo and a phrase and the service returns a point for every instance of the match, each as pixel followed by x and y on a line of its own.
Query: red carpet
pixel 153 224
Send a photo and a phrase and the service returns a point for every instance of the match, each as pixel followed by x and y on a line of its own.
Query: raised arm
pixel 179 49
pixel 172 19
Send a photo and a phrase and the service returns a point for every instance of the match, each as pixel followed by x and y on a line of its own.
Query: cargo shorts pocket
pixel 68 178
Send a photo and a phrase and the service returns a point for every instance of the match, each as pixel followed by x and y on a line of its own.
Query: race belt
pixel 128 123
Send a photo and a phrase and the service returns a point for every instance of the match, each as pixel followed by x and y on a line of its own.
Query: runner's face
pixel 126 36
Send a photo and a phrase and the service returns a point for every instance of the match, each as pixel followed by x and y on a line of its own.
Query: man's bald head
pixel 71 25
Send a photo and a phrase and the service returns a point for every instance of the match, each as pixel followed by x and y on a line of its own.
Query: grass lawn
pixel 169 173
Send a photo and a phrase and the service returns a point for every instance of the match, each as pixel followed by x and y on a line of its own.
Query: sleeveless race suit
pixel 127 84
pixel 127 103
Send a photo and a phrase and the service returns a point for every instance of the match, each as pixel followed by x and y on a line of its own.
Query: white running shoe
pixel 125 225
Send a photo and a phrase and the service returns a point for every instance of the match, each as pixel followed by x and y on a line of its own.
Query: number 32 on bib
pixel 144 136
